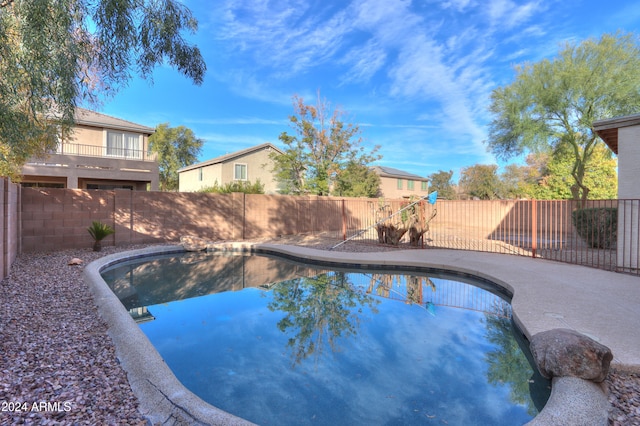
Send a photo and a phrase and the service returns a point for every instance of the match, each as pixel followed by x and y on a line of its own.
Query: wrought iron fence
pixel 602 234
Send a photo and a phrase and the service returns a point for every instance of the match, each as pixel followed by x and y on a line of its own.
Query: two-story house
pixel 247 165
pixel 396 183
pixel 103 152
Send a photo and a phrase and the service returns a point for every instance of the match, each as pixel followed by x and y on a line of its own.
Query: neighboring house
pixel 247 165
pixel 622 135
pixel 103 152
pixel 396 183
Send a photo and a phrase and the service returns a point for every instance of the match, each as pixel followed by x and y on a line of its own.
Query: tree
pixel 600 175
pixel 357 180
pixel 508 364
pixel 57 54
pixel 320 151
pixel 290 167
pixel 552 104
pixel 442 183
pixel 176 147
pixel 519 181
pixel 481 181
pixel 319 311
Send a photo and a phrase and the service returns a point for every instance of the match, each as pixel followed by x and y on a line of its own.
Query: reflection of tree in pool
pixel 509 364
pixel 383 284
pixel 319 310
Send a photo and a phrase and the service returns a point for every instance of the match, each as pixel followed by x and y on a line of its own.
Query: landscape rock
pixel 563 352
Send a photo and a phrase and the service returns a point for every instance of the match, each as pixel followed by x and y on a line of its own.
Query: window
pixel 108 186
pixel 240 172
pixel 410 185
pixel 200 174
pixel 42 185
pixel 424 186
pixel 125 145
pixel 399 183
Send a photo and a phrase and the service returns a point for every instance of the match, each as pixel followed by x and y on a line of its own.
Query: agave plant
pixel 98 232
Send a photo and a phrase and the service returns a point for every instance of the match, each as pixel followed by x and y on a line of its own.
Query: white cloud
pixel 506 14
pixel 459 5
pixel 364 62
pixel 253 86
pixel 289 37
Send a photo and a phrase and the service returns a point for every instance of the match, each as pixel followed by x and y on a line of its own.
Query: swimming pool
pixel 303 344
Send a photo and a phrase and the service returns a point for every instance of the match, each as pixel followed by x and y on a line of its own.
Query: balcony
pixel 105 152
pixel 77 166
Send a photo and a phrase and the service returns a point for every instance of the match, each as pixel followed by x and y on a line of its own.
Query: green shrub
pixel 598 226
pixel 237 186
pixel 98 232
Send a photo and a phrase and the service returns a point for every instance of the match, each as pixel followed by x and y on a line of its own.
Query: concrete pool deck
pixel 546 295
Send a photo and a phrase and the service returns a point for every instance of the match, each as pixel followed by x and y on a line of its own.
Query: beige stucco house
pixel 103 152
pixel 248 165
pixel 396 183
pixel 622 135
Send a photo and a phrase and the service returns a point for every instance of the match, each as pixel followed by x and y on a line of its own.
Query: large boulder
pixel 563 352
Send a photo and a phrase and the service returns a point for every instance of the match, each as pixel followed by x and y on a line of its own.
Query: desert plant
pixel 98 232
pixel 597 226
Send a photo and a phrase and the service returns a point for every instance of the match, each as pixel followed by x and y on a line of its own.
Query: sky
pixel 415 75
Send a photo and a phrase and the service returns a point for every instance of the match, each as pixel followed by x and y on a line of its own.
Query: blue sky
pixel 416 76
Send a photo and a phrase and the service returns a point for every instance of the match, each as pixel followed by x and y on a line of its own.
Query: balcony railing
pixel 105 152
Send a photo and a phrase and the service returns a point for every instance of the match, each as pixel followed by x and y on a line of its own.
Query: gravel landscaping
pixel 58 365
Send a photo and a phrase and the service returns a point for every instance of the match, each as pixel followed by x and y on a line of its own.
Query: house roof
pixel 608 129
pixel 395 173
pixel 95 119
pixel 231 156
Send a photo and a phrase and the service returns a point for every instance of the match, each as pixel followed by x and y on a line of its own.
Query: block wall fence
pixel 10 230
pixel 44 219
pixel 53 219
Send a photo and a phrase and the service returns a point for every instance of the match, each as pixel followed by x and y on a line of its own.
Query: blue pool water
pixel 282 343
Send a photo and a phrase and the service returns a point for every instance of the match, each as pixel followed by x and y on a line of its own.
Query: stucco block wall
pixel 56 219
pixel 10 229
pixel 275 215
pixel 628 189
pixel 629 162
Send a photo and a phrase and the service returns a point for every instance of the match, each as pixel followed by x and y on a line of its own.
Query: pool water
pixel 283 343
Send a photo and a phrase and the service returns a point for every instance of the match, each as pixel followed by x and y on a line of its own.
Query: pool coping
pixel 164 400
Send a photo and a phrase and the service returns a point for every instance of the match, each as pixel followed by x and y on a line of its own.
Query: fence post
pixel 534 227
pixel 344 222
